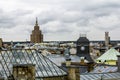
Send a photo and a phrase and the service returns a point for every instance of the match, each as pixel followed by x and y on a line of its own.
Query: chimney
pixel 73 73
pixel 73 70
pixel 68 62
pixel 118 63
pixel 67 57
pixel 82 60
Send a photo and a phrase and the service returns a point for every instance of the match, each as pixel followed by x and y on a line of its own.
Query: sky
pixel 59 20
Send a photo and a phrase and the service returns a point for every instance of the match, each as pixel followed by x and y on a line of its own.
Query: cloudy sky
pixel 59 19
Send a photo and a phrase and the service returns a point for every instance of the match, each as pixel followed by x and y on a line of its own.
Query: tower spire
pixel 36 24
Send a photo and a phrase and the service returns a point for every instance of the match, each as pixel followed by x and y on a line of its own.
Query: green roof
pixel 111 54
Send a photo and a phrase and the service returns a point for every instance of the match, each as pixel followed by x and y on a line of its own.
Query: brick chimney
pixel 73 73
pixel 73 70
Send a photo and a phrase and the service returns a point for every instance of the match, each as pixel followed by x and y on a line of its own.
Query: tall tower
pixel 1 42
pixel 36 36
pixel 107 40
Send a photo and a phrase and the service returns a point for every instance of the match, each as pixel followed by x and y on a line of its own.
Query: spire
pixel 36 27
pixel 36 24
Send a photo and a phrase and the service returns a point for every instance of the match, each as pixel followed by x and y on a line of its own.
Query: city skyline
pixel 60 20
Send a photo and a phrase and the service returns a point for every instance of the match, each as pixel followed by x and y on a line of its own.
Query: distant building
pixel 107 40
pixel 36 36
pixel 109 57
pixel 1 42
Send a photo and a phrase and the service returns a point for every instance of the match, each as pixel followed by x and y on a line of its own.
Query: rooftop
pixel 44 67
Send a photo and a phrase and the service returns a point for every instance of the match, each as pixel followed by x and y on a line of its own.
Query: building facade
pixel 83 49
pixel 36 36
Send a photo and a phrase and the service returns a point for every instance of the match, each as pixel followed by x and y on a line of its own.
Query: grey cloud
pixel 45 20
pixel 11 19
pixel 70 17
pixel 57 31
pixel 110 5
pixel 83 22
pixel 103 9
pixel 48 16
pixel 6 22
pixel 56 28
pixel 64 16
pixel 110 22
pixel 21 12
pixel 81 15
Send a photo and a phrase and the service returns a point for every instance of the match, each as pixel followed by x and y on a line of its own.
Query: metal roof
pixel 44 67
pixel 111 54
pixel 58 59
pixel 102 76
pixel 104 69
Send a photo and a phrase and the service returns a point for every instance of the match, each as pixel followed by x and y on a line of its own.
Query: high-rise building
pixel 36 36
